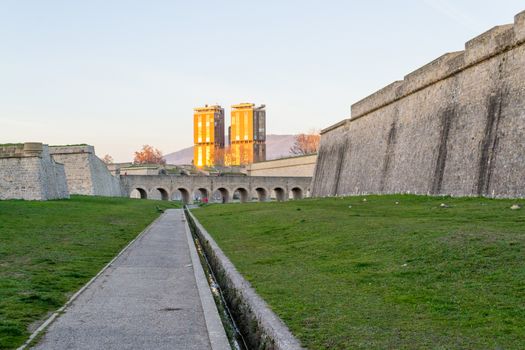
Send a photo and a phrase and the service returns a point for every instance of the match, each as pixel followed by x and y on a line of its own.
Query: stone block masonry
pixel 455 126
pixel 291 166
pixel 28 172
pixel 86 173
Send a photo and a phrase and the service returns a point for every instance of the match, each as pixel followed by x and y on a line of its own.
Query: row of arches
pixel 220 195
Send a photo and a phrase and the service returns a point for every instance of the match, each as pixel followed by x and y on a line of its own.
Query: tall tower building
pixel 247 134
pixel 208 135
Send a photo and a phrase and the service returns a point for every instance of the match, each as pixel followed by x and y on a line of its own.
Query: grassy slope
pixel 380 275
pixel 48 250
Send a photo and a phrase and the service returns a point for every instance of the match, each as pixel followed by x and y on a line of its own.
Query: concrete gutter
pixel 261 327
pixel 216 332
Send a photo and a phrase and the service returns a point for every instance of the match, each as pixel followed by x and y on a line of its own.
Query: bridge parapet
pixel 215 188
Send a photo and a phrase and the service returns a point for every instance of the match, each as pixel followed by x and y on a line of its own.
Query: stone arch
pixel 244 194
pixel 222 194
pixel 201 193
pixel 138 192
pixel 262 194
pixel 182 194
pixel 163 194
pixel 297 193
pixel 280 194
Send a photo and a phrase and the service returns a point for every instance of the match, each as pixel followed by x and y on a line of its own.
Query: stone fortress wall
pixel 34 171
pixel 27 171
pixel 455 126
pixel 86 173
pixel 290 166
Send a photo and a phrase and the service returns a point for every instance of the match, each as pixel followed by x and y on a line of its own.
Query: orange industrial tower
pixel 208 134
pixel 247 134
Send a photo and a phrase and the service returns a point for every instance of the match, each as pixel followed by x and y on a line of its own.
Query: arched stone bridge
pixel 215 188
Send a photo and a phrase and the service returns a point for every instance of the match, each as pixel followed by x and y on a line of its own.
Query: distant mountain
pixel 184 156
pixel 277 146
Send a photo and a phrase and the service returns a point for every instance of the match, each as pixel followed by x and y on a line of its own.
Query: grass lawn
pixel 48 250
pixel 354 274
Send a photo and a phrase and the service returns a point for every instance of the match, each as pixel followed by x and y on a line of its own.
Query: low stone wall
pixel 86 173
pixel 455 127
pixel 261 327
pixel 28 172
pixel 292 166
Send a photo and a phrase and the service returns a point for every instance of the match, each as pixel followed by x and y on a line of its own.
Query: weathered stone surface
pixel 263 187
pixel 455 126
pixel 292 166
pixel 86 173
pixel 27 171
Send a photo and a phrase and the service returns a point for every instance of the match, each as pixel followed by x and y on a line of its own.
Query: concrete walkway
pixel 154 296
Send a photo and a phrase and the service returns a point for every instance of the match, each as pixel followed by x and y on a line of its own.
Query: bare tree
pixel 244 155
pixel 108 159
pixel 228 156
pixel 306 143
pixel 219 156
pixel 149 155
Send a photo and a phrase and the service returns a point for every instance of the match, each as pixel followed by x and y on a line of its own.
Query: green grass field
pixel 48 250
pixel 354 274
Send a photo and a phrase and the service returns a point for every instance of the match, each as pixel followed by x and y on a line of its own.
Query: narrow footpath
pixel 154 296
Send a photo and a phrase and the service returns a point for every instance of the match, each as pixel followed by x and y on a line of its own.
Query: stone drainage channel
pixel 235 337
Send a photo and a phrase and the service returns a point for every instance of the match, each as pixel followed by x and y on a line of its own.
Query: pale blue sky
pixel 120 73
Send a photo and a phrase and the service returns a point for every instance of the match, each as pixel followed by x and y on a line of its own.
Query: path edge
pixel 57 313
pixel 216 332
pixel 261 327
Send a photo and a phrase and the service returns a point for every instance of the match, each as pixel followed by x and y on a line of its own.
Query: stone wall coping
pixel 21 156
pixel 71 149
pixel 217 178
pixel 335 126
pixel 33 146
pixel 140 167
pixel 22 150
pixel 493 42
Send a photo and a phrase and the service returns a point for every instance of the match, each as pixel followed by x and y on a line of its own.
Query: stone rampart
pixel 104 184
pixel 86 173
pixel 455 126
pixel 291 166
pixel 28 172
